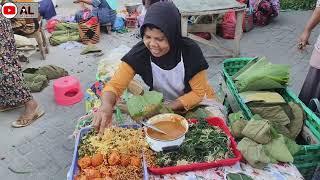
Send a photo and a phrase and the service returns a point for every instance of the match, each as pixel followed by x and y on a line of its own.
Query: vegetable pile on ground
pixel 116 155
pixel 203 143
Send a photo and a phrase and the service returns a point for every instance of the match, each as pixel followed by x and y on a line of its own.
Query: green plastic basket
pixel 308 158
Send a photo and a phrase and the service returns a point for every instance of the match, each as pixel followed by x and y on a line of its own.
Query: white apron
pixel 171 84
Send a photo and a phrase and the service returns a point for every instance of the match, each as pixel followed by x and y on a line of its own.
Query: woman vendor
pixel 166 61
pixel 102 10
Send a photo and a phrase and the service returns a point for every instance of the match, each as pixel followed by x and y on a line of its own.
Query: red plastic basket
pixel 213 121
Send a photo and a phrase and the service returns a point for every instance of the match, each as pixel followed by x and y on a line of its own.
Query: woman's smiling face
pixel 156 42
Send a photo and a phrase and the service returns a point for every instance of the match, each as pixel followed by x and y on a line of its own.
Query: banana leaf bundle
pixel 67 26
pixel 262 75
pixel 59 37
pixel 144 106
pixel 64 32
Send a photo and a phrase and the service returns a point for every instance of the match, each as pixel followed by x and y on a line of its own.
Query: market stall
pixel 265 146
pixel 189 8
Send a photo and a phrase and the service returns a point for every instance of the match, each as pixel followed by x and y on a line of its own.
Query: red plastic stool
pixel 67 90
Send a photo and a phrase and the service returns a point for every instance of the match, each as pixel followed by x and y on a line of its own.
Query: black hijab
pixel 158 16
pixel 149 2
pixel 166 17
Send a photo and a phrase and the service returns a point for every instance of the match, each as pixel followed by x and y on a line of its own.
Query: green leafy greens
pixel 203 143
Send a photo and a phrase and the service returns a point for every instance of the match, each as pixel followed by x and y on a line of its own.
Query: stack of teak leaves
pixel 269 137
pixel 260 74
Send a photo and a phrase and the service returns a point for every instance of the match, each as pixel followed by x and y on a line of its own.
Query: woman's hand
pixel 102 118
pixel 175 106
pixel 304 40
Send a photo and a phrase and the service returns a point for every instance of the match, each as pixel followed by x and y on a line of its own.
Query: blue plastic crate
pixel 74 168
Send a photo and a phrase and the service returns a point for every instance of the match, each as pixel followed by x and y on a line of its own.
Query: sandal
pixel 28 118
pixel 9 108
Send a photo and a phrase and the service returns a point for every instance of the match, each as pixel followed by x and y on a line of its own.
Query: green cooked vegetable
pixel 203 143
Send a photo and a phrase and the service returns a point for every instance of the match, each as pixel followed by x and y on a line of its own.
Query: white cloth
pixel 169 82
pixel 25 46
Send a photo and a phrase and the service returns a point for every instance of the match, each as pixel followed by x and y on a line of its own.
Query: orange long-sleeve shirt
pixel 199 84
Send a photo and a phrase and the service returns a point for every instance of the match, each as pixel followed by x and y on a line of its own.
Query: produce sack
pixel 50 71
pixel 67 26
pixel 277 149
pixel 59 37
pixel 263 75
pixel 228 25
pixel 144 106
pixel 253 153
pixel 51 25
pixel 64 32
pixel 258 130
pixel 35 82
pixel 119 24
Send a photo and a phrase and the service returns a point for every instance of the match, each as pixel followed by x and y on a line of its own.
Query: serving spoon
pixel 153 127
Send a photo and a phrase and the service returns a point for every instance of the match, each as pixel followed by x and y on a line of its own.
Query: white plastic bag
pixel 108 65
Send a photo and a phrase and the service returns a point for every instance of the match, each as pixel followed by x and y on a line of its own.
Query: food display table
pixel 281 171
pixel 271 172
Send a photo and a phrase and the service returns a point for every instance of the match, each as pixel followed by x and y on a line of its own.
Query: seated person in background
pixel 47 9
pixel 101 9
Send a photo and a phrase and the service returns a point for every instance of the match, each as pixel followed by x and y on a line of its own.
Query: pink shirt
pixel 315 57
pixel 317 45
